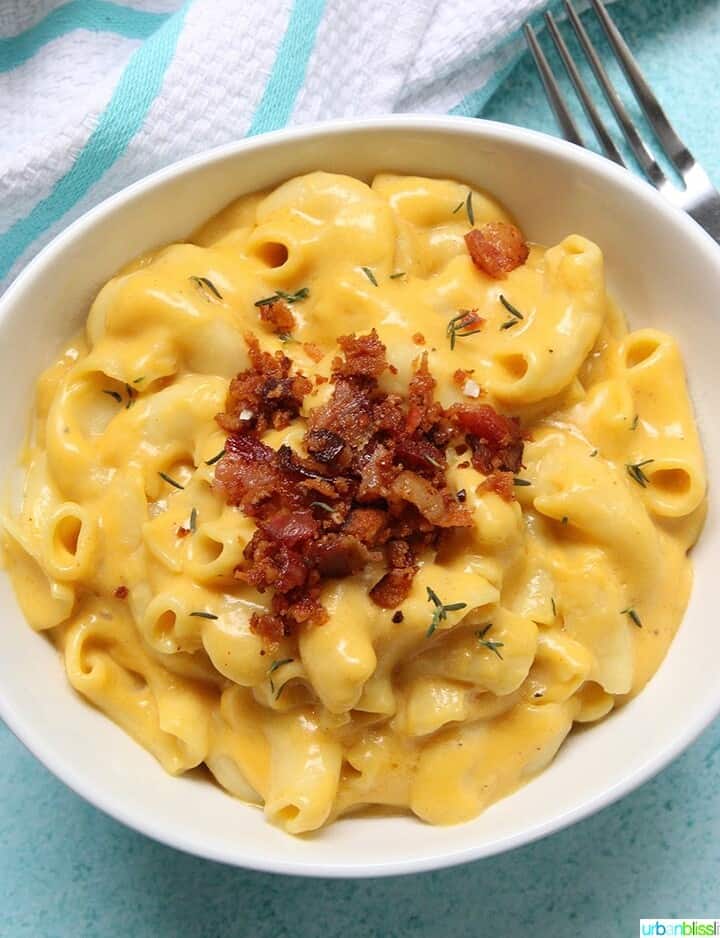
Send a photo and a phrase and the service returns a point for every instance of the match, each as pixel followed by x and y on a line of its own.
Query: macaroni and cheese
pixel 521 566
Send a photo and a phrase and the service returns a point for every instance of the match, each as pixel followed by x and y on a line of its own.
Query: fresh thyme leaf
pixel 513 310
pixel 440 611
pixel 114 395
pixel 509 323
pixel 204 615
pixel 488 643
pixel 170 480
pixel 460 326
pixel 285 337
pixel 131 392
pixel 400 273
pixel 469 208
pixel 634 617
pixel 552 603
pixel 216 458
pixel 207 287
pixel 635 471
pixel 323 505
pixel 518 481
pixel 193 520
pixel 138 380
pixel 370 275
pixel 633 425
pixel 458 206
pixel 302 294
pixel 594 453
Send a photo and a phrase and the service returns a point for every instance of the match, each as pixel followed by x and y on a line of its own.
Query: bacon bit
pixel 364 357
pixel 314 352
pixel 121 592
pixel 418 338
pixel 183 532
pixel 393 588
pixel 398 617
pixel 496 441
pixel 464 465
pixel 371 489
pixel 278 316
pixel 265 395
pixel 497 248
pixel 320 379
pixel 500 483
pixel 392 369
pixel 461 376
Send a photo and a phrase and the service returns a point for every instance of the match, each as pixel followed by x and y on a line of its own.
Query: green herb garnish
pixel 170 481
pixel 131 393
pixel 594 453
pixel 634 617
pixel 469 208
pixel 458 206
pixel 513 310
pixel 273 667
pixel 207 287
pixel 302 294
pixel 635 471
pixel 440 611
pixel 285 337
pixel 114 395
pixel 519 481
pixel 400 273
pixel 488 643
pixel 633 425
pixel 509 323
pixel 193 520
pixel 216 458
pixel 460 326
pixel 204 615
pixel 138 380
pixel 552 603
pixel 564 519
pixel 370 275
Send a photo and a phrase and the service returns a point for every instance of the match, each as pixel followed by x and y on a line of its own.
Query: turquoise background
pixel 67 870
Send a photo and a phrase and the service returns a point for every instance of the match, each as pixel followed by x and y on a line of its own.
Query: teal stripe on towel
pixel 290 67
pixel 137 89
pixel 99 16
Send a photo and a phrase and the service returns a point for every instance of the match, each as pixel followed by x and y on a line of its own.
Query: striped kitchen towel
pixel 95 94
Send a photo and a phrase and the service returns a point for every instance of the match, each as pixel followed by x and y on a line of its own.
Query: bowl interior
pixel 664 271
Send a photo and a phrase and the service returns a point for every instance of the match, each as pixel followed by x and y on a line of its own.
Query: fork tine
pixel 673 146
pixel 552 89
pixel 604 138
pixel 642 154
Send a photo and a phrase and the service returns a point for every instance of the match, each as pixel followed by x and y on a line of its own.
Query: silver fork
pixel 699 198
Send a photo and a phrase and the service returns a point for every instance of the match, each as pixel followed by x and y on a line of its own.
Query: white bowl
pixel 665 272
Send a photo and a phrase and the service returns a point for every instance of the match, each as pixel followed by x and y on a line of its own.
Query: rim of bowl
pixel 137 820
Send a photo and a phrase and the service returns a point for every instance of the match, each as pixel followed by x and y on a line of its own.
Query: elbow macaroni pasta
pixel 123 552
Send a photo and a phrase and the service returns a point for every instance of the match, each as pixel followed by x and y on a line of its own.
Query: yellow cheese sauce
pixel 573 590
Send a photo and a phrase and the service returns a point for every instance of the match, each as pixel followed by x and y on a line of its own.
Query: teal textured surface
pixel 67 870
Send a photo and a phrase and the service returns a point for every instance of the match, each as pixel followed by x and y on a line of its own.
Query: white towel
pixel 96 94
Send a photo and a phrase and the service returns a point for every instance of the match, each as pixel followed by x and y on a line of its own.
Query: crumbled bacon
pixel 497 248
pixel 501 483
pixel 121 592
pixel 461 375
pixel 371 490
pixel 278 316
pixel 496 441
pixel 314 352
pixel 264 395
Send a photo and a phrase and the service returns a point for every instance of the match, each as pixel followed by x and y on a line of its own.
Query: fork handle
pixel 707 215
